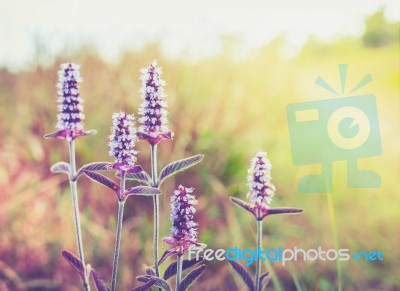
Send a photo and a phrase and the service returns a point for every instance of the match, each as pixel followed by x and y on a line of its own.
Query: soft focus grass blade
pixel 335 238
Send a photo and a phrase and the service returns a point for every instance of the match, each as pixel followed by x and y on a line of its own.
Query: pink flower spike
pixel 153 107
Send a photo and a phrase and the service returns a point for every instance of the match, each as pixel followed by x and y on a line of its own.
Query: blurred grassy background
pixel 227 109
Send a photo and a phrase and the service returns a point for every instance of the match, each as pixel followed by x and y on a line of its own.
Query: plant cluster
pixel 153 129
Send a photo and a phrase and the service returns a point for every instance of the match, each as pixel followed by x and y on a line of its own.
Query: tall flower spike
pixel 259 180
pixel 184 228
pixel 122 142
pixel 154 115
pixel 260 196
pixel 70 109
pixel 261 190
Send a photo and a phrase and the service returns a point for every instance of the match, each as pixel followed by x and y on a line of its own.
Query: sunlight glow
pixel 180 26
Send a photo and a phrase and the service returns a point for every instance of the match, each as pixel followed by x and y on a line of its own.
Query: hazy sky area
pixel 192 28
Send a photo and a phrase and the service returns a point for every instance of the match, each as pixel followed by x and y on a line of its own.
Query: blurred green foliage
pixel 380 32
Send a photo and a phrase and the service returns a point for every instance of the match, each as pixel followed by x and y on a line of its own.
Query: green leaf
pixel 191 277
pixel 242 204
pixel 178 166
pixel 284 210
pixel 186 264
pixel 102 180
pixel 142 176
pixel 142 190
pixel 145 286
pixel 74 262
pixel 60 167
pixel 264 279
pixel 98 166
pixel 150 271
pixel 100 284
pixel 166 255
pixel 159 282
pixel 246 277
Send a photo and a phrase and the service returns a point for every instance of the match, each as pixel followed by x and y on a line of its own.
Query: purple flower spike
pixel 259 182
pixel 184 228
pixel 154 115
pixel 70 108
pixel 122 143
pixel 70 104
pixel 261 190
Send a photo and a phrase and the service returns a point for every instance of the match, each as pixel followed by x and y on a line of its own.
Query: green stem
pixel 121 204
pixel 179 261
pixel 75 204
pixel 331 208
pixel 258 262
pixel 156 207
